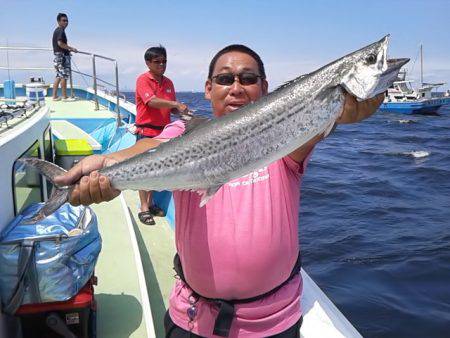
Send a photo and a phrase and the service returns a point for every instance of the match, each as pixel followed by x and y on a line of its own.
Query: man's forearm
pixel 355 111
pixel 161 103
pixel 300 154
pixel 140 147
pixel 65 46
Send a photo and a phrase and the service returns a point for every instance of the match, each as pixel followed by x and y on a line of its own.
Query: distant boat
pixel 403 98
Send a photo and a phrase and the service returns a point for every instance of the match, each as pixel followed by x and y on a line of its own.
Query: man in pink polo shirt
pixel 155 100
pixel 239 254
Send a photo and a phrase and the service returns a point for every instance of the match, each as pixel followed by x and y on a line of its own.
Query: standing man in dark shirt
pixel 62 56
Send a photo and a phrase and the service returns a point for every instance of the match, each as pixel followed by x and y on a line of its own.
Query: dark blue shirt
pixel 59 35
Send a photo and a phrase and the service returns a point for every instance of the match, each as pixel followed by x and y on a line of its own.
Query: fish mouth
pixel 394 64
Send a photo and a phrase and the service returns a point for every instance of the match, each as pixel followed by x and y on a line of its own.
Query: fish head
pixel 367 72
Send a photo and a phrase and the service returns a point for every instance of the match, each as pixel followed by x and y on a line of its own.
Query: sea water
pixel 375 221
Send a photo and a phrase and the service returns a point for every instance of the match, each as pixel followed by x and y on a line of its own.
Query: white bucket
pixel 36 92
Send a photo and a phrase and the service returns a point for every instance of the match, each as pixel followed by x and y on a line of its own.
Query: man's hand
pixel 90 186
pixel 355 111
pixel 174 106
pixel 182 108
pixel 74 50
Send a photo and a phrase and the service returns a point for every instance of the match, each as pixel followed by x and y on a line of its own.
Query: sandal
pixel 146 218
pixel 157 211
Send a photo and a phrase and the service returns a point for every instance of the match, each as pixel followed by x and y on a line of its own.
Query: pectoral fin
pixel 207 194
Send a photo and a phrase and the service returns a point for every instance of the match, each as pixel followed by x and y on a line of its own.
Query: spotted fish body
pixel 231 146
pixel 259 133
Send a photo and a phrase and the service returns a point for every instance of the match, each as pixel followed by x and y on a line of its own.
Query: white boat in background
pixel 403 98
pixel 134 269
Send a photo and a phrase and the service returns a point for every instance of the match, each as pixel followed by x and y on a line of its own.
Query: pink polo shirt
pixel 242 243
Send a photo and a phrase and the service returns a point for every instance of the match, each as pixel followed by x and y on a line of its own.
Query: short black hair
pixel 60 15
pixel 237 48
pixel 154 52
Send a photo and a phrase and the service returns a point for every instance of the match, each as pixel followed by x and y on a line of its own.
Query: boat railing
pixel 95 79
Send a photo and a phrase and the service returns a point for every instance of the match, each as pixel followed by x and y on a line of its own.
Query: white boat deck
pixel 121 294
pixel 321 318
pixel 65 130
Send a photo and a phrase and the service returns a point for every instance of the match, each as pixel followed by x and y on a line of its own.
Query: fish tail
pixel 59 196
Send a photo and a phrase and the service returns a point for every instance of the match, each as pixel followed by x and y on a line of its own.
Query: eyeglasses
pixel 164 61
pixel 227 79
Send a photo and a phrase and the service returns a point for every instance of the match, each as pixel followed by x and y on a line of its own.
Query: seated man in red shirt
pixel 155 100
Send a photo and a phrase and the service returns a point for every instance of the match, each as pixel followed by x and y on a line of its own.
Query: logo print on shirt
pixel 147 94
pixel 252 178
pixel 168 90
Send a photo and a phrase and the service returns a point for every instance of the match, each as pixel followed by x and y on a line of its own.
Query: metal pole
pixel 94 75
pixel 421 65
pixel 119 122
pixel 25 48
pixel 71 81
pixel 7 61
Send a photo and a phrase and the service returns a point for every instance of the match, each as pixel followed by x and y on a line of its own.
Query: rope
pixel 414 63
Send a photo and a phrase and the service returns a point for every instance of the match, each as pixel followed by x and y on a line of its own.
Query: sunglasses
pixel 164 61
pixel 227 79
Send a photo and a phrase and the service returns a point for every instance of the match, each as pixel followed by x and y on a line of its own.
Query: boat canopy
pixel 404 86
pixel 429 86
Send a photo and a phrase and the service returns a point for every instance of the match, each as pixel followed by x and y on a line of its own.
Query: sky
pixel 292 37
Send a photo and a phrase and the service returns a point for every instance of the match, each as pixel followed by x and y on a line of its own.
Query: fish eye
pixel 371 59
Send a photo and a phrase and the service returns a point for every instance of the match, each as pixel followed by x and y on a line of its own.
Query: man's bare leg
pixel 55 87
pixel 154 209
pixel 145 215
pixel 143 196
pixel 150 198
pixel 64 88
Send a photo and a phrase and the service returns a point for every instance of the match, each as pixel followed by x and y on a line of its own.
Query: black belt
pixel 148 125
pixel 225 316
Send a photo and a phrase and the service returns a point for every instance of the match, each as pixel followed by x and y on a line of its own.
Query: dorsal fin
pixel 288 83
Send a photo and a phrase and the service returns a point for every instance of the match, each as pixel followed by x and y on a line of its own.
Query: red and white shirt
pixel 147 87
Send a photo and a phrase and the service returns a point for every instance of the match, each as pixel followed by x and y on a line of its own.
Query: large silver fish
pixel 221 149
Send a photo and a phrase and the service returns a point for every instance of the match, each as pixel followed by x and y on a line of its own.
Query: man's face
pixel 227 98
pixel 157 65
pixel 63 22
